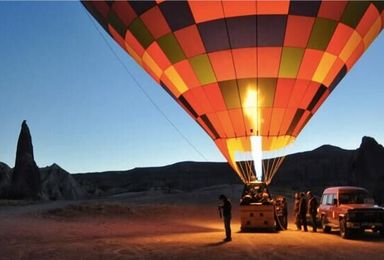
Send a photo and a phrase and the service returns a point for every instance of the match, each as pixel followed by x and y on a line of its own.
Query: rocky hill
pixel 58 184
pixel 5 175
pixel 325 166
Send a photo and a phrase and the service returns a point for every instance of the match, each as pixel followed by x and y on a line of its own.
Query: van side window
pixel 330 199
pixel 324 199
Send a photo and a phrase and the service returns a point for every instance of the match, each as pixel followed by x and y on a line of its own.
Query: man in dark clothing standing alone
pixel 225 210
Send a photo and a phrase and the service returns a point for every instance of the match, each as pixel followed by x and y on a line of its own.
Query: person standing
pixel 303 211
pixel 225 209
pixel 312 209
pixel 296 207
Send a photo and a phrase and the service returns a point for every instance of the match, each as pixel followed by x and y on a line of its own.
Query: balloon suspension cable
pixel 140 87
pixel 251 172
pixel 270 168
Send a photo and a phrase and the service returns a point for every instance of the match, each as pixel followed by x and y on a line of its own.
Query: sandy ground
pixel 153 225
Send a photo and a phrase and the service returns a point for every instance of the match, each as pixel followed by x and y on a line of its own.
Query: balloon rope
pixel 142 89
pixel 277 167
pixel 275 160
pixel 243 172
pixel 268 168
pixel 264 171
pixel 250 168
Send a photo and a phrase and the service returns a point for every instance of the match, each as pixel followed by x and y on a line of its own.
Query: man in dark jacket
pixel 225 210
pixel 303 211
pixel 296 208
pixel 312 209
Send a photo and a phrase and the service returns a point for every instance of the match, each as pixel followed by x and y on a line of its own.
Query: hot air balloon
pixel 250 73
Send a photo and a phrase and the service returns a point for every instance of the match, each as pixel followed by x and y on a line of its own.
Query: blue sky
pixel 86 113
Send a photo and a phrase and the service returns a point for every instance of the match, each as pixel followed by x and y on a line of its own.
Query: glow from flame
pixel 252 114
pixel 250 108
pixel 257 152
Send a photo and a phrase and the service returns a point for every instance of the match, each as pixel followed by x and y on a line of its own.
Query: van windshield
pixel 353 197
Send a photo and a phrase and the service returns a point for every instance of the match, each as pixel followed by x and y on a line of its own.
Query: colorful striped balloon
pixel 244 69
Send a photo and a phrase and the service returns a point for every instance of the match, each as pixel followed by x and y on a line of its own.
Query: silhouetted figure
pixel 225 209
pixel 303 211
pixel 296 208
pixel 285 212
pixel 312 209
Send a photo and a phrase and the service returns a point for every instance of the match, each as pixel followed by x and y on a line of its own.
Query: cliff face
pixel 26 175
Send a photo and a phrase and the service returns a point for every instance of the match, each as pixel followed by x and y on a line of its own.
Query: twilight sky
pixel 86 113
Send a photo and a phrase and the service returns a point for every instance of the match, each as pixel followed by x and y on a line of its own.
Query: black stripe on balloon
pixel 295 121
pixel 320 92
pixel 141 6
pixel 271 30
pixel 305 8
pixel 177 13
pixel 109 3
pixel 379 5
pixel 242 31
pixel 93 11
pixel 353 13
pixel 210 126
pixel 188 106
pixel 214 35
pixel 338 78
pixel 117 24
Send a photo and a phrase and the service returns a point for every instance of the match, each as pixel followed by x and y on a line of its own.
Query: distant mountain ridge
pixel 324 166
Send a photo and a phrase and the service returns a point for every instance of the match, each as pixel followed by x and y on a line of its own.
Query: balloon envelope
pixel 245 69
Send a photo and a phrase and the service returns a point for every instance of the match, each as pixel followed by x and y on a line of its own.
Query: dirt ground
pixel 154 225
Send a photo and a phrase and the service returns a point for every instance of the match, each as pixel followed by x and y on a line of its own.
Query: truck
pixel 351 210
pixel 260 211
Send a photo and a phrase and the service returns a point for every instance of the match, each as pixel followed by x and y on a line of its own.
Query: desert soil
pixel 154 225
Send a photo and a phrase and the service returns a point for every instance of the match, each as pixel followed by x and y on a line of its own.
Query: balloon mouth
pixel 247 156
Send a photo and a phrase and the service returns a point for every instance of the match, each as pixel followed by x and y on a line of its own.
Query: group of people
pixel 305 204
pixel 255 196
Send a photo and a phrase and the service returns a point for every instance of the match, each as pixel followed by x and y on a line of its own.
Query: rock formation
pixel 368 167
pixel 5 179
pixel 26 175
pixel 57 184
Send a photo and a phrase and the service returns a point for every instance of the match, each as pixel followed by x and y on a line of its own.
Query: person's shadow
pixel 216 244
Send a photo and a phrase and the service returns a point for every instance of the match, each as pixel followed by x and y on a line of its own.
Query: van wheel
pixel 344 231
pixel 326 229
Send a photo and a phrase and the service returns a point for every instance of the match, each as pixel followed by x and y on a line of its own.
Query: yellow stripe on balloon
pixel 175 78
pixel 147 59
pixel 324 67
pixel 372 33
pixel 350 46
